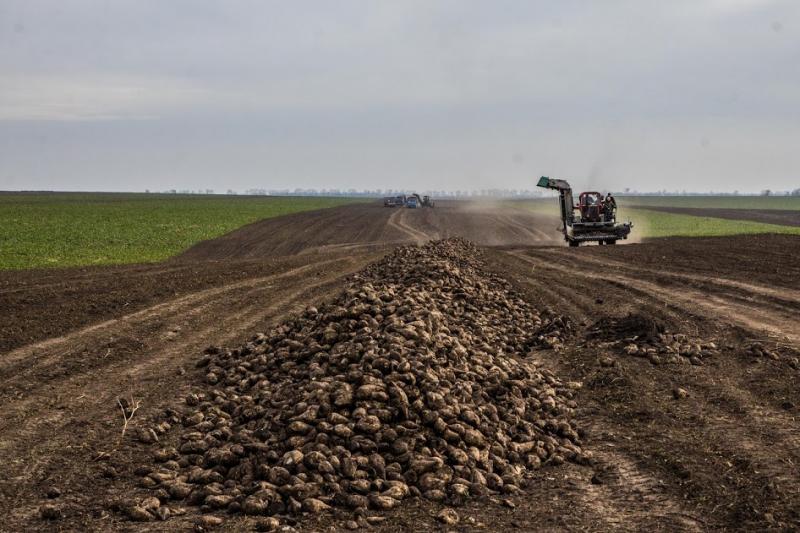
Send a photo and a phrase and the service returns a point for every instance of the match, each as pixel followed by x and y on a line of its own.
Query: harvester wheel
pixel 611 241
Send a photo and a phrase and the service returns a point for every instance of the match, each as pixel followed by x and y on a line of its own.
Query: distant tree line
pixel 765 192
pixel 770 192
pixel 482 193
pixel 371 193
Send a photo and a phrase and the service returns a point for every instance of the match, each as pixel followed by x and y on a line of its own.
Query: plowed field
pixel 783 217
pixel 705 442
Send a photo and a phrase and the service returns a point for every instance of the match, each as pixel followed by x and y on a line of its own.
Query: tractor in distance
pixel 591 219
pixel 394 201
pixel 413 201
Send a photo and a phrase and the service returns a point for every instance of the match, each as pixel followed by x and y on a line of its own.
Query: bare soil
pixel 42 303
pixel 724 456
pixel 781 217
pixel 365 226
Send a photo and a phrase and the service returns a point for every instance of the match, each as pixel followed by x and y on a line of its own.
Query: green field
pixel 652 224
pixel 728 202
pixel 75 229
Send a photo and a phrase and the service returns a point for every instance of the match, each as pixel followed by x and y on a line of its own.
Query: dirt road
pixel 725 456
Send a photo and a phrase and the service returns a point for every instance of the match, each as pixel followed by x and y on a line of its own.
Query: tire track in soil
pixel 345 247
pixel 90 395
pixel 569 293
pixel 700 303
pixel 94 273
pixel 396 221
pixel 767 431
pixel 15 362
pixel 787 299
pixel 535 233
pixel 184 310
pixel 765 449
pixel 631 498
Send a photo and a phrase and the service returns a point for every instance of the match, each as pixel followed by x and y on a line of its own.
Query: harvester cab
pixel 595 220
pixel 590 205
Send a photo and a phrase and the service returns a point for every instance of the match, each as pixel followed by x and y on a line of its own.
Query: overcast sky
pixel 418 94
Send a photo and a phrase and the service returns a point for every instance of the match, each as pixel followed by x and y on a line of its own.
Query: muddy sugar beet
pixel 415 381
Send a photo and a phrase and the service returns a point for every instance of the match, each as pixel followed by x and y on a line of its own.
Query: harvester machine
pixel 591 219
pixel 427 201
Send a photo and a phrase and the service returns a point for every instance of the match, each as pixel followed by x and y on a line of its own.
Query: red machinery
pixel 590 205
pixel 594 220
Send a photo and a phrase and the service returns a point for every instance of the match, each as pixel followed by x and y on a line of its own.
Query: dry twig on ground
pixel 133 407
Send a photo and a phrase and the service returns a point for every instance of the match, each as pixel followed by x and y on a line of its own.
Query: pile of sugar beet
pixel 417 381
pixel 643 336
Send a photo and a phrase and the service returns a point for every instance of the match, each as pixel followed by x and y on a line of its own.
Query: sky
pixel 128 95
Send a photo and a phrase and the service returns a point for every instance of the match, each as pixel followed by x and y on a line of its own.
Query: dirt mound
pixel 413 382
pixel 632 327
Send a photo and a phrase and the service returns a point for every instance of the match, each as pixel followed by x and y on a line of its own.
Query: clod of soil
pixel 414 381
pixel 679 393
pixel 50 512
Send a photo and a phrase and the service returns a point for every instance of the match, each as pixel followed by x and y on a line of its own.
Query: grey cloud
pixel 451 94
